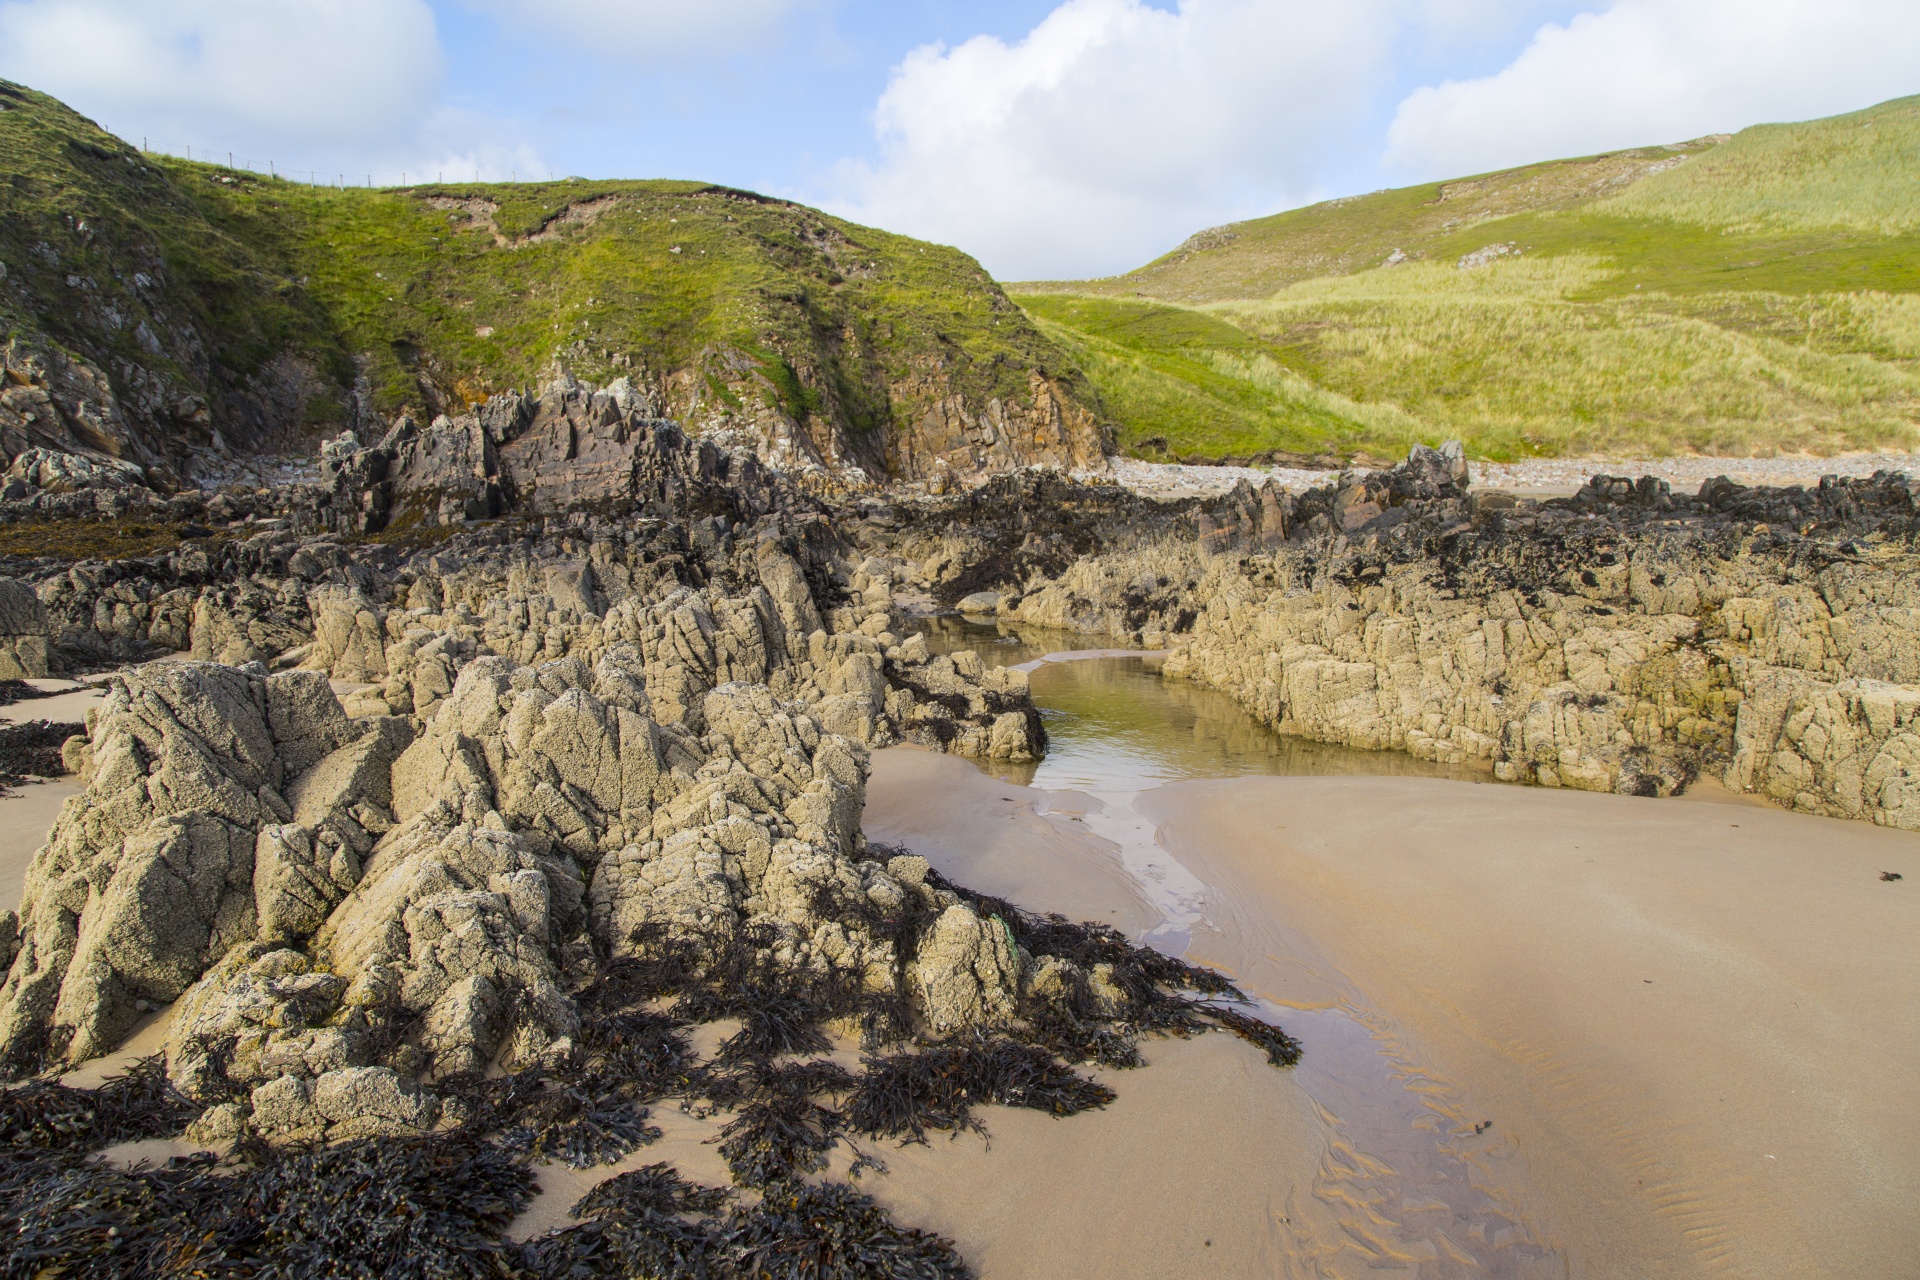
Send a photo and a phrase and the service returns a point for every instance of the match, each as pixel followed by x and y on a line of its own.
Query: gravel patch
pixel 1168 480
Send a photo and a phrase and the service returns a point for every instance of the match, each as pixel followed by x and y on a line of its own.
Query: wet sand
pixel 1206 1144
pixel 26 816
pixel 1693 1025
pixel 1000 838
pixel 1204 1166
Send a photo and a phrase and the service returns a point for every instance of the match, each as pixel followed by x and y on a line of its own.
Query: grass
pixel 1520 359
pixel 1743 295
pixel 1853 172
pixel 731 307
pixel 1184 384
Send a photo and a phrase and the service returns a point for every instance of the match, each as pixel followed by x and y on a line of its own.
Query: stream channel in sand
pixel 1695 1040
pixel 1116 730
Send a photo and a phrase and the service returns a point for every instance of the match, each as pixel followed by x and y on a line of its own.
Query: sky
pixel 1051 139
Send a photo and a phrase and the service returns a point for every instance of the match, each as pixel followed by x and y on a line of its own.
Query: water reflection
pixel 1115 724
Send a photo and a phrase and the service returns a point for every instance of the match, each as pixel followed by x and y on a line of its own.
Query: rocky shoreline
pixel 596 780
pixel 1623 639
pixel 524 742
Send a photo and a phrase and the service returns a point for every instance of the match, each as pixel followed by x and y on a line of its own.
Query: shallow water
pixel 1115 724
pixel 1401 1187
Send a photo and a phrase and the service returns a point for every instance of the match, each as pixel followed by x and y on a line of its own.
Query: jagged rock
pixel 51 471
pixel 438 906
pixel 349 641
pixel 148 878
pixel 446 473
pixel 365 1102
pixel 23 632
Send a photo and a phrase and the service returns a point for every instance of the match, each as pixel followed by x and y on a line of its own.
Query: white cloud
pixel 1651 71
pixel 320 86
pixel 1114 129
pixel 643 29
pixel 315 71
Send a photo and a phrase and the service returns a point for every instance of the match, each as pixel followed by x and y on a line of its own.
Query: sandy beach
pixel 1690 1024
pixel 1695 1022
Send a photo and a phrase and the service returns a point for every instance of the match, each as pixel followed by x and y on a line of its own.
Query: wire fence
pixel 318 178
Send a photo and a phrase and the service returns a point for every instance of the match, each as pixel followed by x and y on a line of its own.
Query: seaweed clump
pixel 903 1095
pixel 40 1116
pixel 411 1209
pixel 651 1222
pixel 31 749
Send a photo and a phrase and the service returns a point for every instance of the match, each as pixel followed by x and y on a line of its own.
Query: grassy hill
pixel 228 308
pixel 1736 295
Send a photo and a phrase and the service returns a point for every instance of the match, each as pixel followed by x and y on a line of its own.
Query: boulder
pixel 967 972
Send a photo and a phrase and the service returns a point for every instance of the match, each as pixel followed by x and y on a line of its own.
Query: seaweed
pixel 409 1209
pixel 396 1208
pixel 579 1117
pixel 1282 1050
pixel 903 1095
pixel 779 1130
pixel 644 1049
pixel 139 1103
pixel 31 749
pixel 652 1222
pixel 62 1214
pixel 829 1231
pixel 579 1125
pixel 655 1188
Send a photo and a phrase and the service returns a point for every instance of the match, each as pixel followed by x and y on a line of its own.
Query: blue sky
pixel 1050 138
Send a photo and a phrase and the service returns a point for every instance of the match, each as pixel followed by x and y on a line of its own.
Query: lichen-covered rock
pixel 148 877
pixel 544 819
pixel 967 971
pixel 23 632
pixel 349 642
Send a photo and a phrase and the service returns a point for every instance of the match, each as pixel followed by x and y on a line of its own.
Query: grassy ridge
pixel 1186 383
pixel 1744 295
pixel 273 300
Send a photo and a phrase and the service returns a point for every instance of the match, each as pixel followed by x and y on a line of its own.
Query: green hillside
pixel 1740 295
pixel 228 301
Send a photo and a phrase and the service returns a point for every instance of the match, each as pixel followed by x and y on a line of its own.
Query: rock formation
pixel 551 746
pixel 1624 639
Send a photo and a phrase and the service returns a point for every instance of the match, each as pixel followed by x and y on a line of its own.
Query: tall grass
pixel 1853 172
pixel 1501 357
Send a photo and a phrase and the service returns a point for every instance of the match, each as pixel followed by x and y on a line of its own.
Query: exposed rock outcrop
pixel 342 908
pixel 148 877
pixel 23 632
pixel 1624 639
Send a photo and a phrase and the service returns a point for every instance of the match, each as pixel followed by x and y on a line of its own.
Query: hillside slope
pixel 1738 295
pixel 171 314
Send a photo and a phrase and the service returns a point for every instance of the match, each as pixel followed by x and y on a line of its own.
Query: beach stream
pixel 1398 1190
